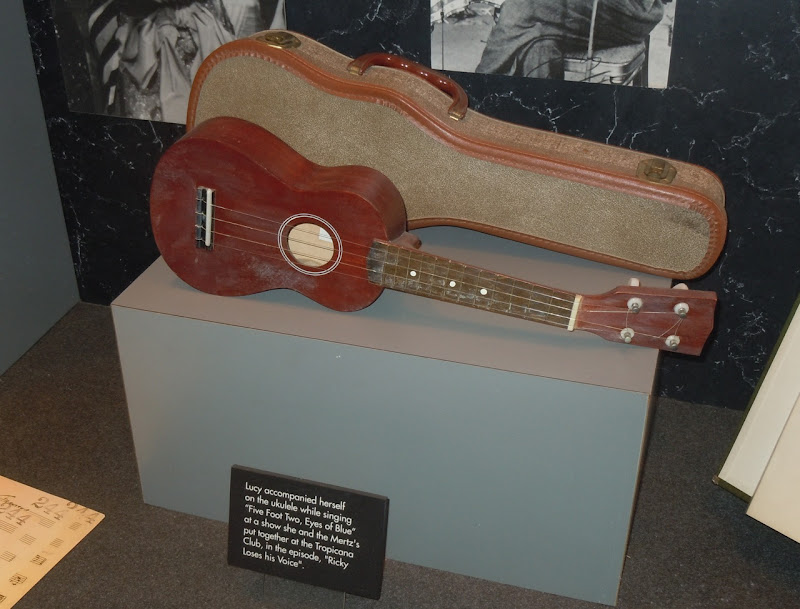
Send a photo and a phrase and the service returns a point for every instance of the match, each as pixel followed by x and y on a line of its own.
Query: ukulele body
pixel 267 199
pixel 236 211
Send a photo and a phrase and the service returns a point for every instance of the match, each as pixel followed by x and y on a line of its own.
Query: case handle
pixel 456 111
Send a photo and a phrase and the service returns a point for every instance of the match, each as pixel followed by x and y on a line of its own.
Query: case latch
pixel 656 170
pixel 280 40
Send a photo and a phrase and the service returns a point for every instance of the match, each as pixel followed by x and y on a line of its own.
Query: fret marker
pixel 452 284
pixel 413 273
pixel 484 291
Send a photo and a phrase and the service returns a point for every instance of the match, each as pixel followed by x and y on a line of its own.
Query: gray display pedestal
pixel 510 451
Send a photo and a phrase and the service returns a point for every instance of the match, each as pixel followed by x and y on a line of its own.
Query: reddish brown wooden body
pixel 261 184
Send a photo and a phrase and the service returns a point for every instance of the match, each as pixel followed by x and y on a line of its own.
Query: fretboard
pixel 416 272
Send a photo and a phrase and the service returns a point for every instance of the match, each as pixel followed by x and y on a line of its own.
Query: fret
pixel 454 280
pixel 468 288
pixel 429 282
pixel 504 289
pixel 376 262
pixel 540 303
pixel 550 304
pixel 393 265
pixel 436 280
pixel 519 299
pixel 417 272
pixel 484 289
pixel 410 271
pixel 403 275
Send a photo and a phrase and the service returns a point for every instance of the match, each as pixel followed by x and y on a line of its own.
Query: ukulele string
pixel 554 315
pixel 530 297
pixel 274 223
pixel 628 311
pixel 536 290
pixel 532 293
pixel 671 330
pixel 329 248
pixel 567 306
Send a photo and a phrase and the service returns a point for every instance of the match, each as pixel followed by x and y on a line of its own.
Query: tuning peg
pixel 681 309
pixel 680 286
pixel 673 341
pixel 635 304
pixel 627 334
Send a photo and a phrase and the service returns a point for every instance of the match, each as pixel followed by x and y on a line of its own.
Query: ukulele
pixel 236 211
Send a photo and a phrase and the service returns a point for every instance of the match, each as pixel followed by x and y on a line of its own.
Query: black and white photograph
pixel 624 42
pixel 137 58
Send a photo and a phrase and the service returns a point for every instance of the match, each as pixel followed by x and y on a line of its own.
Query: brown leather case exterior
pixel 553 191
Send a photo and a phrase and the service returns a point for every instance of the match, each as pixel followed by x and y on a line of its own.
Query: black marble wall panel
pixel 732 106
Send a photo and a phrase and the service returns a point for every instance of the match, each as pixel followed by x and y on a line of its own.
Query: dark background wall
pixel 37 283
pixel 733 105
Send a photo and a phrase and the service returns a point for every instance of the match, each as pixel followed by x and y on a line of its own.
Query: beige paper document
pixel 37 530
pixel 766 417
pixel 776 501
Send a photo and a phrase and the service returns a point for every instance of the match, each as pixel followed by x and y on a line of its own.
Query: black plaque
pixel 306 531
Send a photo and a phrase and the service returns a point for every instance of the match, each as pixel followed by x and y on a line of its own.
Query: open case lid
pixel 570 195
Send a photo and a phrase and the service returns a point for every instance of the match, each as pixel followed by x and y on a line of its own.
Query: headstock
pixel 672 319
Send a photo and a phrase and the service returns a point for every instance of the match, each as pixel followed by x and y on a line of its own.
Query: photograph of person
pixel 603 41
pixel 137 58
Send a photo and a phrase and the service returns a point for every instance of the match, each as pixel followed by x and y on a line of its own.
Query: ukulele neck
pixel 406 270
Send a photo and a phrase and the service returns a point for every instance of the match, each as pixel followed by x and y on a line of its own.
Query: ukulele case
pixel 455 166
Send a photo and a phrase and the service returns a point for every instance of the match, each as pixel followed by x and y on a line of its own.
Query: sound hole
pixel 310 245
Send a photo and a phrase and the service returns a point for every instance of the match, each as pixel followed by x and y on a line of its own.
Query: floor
pixel 65 430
